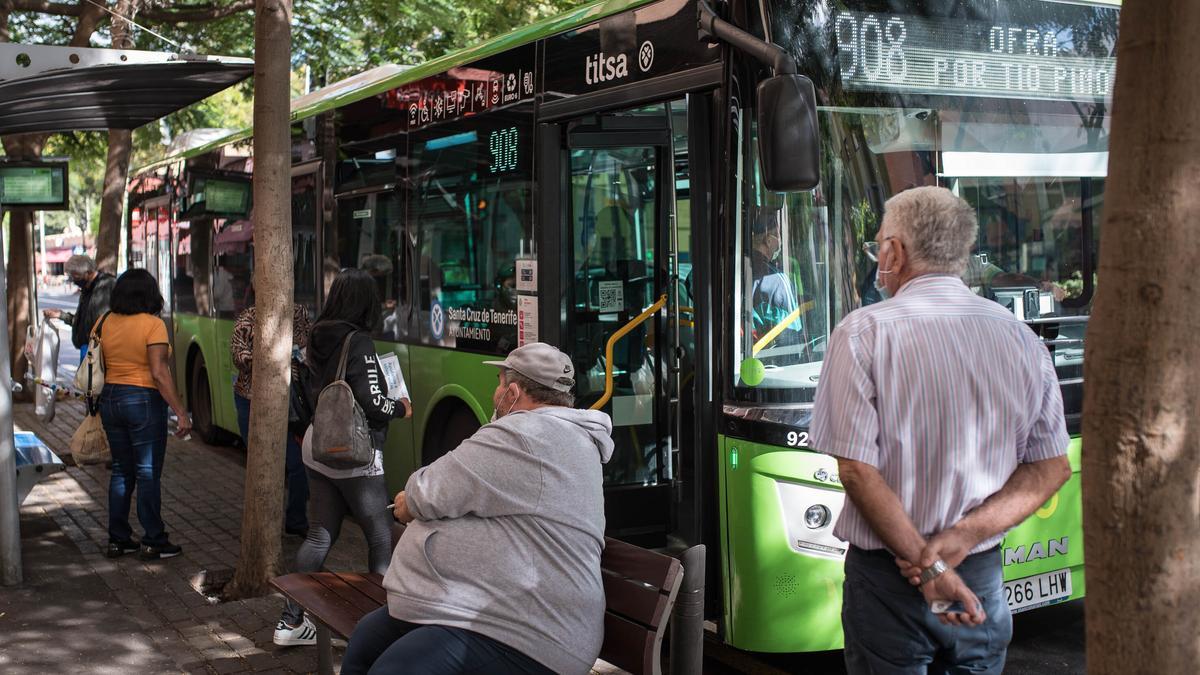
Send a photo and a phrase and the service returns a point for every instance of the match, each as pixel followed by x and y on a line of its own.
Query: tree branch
pixel 193 14
pixel 47 7
pixel 197 13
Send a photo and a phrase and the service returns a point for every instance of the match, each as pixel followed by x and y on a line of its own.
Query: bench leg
pixel 324 651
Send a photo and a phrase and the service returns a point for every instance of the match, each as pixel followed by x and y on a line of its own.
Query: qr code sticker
pixel 612 296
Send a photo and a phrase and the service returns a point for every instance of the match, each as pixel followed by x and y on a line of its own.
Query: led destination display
pixel 908 54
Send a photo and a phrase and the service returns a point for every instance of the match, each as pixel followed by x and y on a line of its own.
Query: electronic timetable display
pixel 34 185
pixel 1040 59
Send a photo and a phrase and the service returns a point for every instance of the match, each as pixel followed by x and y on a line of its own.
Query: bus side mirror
pixel 789 149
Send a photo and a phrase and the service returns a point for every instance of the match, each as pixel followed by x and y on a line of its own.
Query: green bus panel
pixel 782 581
pixel 207 338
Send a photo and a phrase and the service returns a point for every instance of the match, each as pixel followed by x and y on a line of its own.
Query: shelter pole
pixel 10 521
pixel 42 241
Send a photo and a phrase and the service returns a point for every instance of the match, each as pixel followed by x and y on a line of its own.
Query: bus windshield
pixel 1005 104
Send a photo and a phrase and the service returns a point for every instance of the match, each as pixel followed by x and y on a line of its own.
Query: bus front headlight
pixel 817 516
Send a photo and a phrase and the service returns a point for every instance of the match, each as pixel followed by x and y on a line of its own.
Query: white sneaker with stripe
pixel 304 634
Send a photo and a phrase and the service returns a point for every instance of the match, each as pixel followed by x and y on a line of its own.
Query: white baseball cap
pixel 541 363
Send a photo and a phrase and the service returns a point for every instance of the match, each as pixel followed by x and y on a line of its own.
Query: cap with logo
pixel 541 363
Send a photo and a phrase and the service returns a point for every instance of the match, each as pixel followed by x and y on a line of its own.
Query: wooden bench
pixel 640 588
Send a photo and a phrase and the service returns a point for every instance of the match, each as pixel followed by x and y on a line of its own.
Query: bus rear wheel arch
pixel 451 423
pixel 200 403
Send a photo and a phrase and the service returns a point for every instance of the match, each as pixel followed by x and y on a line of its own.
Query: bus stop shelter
pixel 48 89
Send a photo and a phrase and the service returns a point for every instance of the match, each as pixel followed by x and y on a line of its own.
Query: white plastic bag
pixel 44 369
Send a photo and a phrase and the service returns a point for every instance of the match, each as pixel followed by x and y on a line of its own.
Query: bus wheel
pixel 458 424
pixel 201 404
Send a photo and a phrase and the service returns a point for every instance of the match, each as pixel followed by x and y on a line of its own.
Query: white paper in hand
pixel 390 365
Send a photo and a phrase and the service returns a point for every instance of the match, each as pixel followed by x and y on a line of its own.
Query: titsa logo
pixel 601 67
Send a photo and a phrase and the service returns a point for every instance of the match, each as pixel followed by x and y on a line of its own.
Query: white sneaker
pixel 304 634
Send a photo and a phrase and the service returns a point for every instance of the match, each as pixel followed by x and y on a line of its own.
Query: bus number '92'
pixel 797 439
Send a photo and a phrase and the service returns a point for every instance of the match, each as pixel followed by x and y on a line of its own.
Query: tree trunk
pixel 263 511
pixel 1141 461
pixel 20 271
pixel 108 239
pixel 116 171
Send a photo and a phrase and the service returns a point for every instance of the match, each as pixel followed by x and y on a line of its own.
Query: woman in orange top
pixel 138 387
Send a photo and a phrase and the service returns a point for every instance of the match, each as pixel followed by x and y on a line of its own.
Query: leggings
pixel 330 500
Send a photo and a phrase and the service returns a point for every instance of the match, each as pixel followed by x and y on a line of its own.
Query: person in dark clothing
pixel 95 293
pixel 773 295
pixel 351 312
pixel 241 349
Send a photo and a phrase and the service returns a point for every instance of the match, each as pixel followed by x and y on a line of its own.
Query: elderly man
pixel 946 419
pixel 499 569
pixel 94 290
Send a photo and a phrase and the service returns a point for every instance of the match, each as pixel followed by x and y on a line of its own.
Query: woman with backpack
pixel 340 348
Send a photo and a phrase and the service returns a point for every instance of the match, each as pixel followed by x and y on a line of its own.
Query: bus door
pixel 622 305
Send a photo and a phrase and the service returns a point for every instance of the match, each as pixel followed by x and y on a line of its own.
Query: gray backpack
pixel 340 436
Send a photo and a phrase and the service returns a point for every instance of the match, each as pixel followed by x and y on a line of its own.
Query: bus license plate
pixel 1043 589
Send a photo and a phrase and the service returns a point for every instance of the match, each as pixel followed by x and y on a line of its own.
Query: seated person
pixel 773 297
pixel 499 569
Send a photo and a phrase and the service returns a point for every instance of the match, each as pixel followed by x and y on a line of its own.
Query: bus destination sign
pixel 908 54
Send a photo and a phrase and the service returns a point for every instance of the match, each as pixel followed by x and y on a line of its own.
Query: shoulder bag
pixel 89 379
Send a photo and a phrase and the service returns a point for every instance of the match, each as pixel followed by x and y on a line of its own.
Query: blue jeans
pixel 135 421
pixel 381 644
pixel 889 628
pixel 295 514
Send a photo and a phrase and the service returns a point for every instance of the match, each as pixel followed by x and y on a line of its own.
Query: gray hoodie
pixel 508 535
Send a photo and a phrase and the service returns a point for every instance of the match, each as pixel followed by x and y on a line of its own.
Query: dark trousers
pixel 135 421
pixel 889 628
pixel 295 516
pixel 381 644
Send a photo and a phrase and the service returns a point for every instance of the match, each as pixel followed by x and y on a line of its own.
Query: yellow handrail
pixel 612 341
pixel 779 327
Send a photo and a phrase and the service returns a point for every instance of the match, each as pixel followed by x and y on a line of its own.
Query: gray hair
pixel 79 264
pixel 539 392
pixel 940 228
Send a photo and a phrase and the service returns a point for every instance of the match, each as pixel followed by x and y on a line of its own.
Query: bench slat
pixel 638 563
pixel 632 600
pixel 627 645
pixel 370 585
pixel 323 604
pixel 345 591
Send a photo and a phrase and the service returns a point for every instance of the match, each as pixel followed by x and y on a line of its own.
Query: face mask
pixel 884 293
pixel 496 413
pixel 82 283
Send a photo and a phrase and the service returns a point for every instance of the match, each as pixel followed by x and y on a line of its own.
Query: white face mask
pixel 884 293
pixel 496 413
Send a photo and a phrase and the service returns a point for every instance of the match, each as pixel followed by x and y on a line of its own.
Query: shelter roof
pixel 49 88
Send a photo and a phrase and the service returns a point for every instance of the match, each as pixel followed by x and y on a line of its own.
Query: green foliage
pixel 332 39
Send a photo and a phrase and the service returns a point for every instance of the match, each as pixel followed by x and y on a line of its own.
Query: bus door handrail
pixel 612 341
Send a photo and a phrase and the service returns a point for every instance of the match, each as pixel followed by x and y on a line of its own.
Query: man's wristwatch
pixel 933 571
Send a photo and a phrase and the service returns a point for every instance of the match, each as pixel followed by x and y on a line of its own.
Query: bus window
pixel 1036 182
pixel 471 202
pixel 369 228
pixel 233 245
pixel 304 230
pixel 184 282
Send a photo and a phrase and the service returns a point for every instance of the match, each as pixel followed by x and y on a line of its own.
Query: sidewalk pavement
pixel 78 611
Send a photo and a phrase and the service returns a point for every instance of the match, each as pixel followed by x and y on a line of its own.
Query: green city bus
pixel 595 181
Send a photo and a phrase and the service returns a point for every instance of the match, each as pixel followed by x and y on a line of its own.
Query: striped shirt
pixel 944 392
